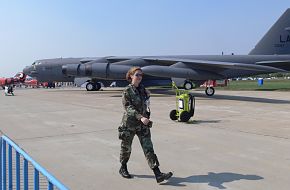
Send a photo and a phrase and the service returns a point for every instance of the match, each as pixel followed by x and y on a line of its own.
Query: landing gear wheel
pixel 185 116
pixel 188 85
pixel 97 86
pixel 90 86
pixel 209 91
pixel 172 115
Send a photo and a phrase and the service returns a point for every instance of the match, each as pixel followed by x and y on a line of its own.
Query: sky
pixel 39 29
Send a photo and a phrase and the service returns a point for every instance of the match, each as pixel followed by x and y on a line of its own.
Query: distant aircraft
pixel 271 54
pixel 30 82
pixel 18 78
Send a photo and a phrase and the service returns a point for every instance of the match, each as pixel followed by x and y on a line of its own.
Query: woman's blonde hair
pixel 132 71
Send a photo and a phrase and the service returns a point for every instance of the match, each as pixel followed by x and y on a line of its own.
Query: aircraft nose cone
pixel 27 70
pixel 30 71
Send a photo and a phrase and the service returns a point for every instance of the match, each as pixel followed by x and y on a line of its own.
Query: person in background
pixel 10 90
pixel 6 90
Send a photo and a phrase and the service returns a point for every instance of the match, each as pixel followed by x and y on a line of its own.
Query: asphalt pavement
pixel 236 139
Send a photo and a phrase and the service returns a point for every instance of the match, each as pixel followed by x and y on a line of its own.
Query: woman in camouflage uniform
pixel 136 121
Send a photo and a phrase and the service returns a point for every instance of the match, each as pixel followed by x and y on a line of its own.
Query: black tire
pixel 98 86
pixel 188 85
pixel 185 116
pixel 192 100
pixel 209 91
pixel 172 115
pixel 191 113
pixel 90 86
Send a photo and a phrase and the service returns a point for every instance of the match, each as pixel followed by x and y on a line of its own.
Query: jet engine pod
pixel 106 70
pixel 118 71
pixel 97 70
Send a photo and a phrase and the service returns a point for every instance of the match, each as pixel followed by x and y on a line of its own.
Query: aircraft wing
pixel 114 59
pixel 214 66
pixel 282 64
pixel 199 69
pixel 86 60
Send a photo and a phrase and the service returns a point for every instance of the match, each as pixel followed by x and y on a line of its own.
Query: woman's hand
pixel 145 120
pixel 147 92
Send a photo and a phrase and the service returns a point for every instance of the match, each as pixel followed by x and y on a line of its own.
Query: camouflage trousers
pixel 127 135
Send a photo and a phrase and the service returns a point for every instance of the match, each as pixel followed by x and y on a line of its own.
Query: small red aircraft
pixel 18 78
pixel 32 83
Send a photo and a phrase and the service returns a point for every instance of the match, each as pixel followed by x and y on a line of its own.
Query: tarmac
pixel 236 139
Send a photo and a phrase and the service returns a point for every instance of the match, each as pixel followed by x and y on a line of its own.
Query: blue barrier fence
pixel 10 175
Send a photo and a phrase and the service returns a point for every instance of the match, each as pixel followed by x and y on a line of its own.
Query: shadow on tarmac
pixel 212 179
pixel 226 97
pixel 167 92
pixel 202 121
pixel 248 99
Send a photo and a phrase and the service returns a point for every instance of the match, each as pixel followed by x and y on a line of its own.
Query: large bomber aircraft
pixel 54 70
pixel 271 54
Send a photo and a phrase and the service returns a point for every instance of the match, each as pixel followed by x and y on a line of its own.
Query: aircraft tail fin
pixel 20 76
pixel 277 40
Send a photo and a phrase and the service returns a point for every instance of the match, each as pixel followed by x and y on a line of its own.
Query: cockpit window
pixel 36 63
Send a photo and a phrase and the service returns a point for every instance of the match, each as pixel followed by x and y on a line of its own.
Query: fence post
pixel 4 165
pixel 17 171
pixel 50 186
pixel 1 163
pixel 36 179
pixel 10 174
pixel 25 174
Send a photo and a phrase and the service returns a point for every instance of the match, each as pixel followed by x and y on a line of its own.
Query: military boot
pixel 124 171
pixel 161 176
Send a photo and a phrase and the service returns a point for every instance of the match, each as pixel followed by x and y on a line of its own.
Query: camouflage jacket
pixel 133 100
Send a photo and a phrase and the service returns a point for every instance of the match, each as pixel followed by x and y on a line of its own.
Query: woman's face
pixel 137 77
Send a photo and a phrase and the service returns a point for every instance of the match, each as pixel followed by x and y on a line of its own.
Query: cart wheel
pixel 191 113
pixel 172 115
pixel 184 116
pixel 192 105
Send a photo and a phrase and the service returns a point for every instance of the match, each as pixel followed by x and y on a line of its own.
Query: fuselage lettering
pixel 284 40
